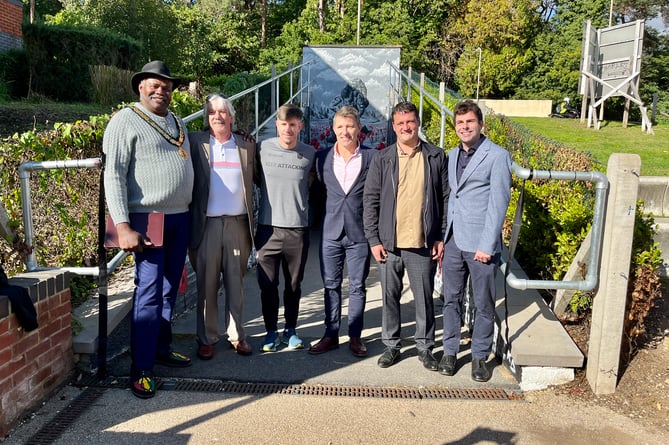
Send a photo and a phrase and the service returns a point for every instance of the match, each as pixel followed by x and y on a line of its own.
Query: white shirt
pixel 226 189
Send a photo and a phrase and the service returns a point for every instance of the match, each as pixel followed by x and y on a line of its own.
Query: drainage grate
pixel 251 388
pixel 64 419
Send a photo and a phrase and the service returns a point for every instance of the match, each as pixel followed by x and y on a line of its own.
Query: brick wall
pixel 34 364
pixel 11 15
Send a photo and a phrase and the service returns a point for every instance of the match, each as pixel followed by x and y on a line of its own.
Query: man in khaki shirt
pixel 404 217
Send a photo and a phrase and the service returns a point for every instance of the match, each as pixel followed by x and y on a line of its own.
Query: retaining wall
pixel 520 108
pixel 34 364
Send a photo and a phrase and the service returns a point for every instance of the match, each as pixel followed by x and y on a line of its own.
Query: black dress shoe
pixel 429 362
pixel 389 357
pixel 480 372
pixel 447 365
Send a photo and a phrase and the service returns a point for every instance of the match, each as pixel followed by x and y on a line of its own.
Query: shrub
pixel 111 85
pixel 64 202
pixel 245 106
pixel 14 73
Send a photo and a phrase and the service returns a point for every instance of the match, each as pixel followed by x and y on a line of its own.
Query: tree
pixel 557 48
pixel 215 39
pixel 149 21
pixel 630 10
pixel 504 31
pixel 37 9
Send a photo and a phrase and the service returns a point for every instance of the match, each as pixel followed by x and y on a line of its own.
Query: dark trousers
pixel 457 266
pixel 356 256
pixel 157 275
pixel 286 249
pixel 420 268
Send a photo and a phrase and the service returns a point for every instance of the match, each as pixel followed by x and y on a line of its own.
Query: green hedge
pixel 60 56
pixel 64 202
pixel 14 72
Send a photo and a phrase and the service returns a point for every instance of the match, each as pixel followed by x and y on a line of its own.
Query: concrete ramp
pixel 542 353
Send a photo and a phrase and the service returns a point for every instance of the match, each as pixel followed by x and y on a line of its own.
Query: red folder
pixel 149 225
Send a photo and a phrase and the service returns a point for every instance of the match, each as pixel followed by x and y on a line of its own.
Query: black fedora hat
pixel 155 68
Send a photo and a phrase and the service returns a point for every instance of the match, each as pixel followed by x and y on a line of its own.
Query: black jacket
pixel 380 197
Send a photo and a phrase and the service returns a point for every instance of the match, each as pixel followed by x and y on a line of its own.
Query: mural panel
pixel 358 76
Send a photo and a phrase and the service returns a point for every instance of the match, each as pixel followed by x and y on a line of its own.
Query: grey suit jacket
pixel 478 201
pixel 199 143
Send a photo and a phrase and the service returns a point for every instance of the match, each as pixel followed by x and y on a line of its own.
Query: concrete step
pixel 541 351
pixel 86 315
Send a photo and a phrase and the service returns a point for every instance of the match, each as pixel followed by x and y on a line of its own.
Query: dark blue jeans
pixel 334 253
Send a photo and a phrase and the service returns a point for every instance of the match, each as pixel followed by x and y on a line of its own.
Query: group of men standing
pixel 409 206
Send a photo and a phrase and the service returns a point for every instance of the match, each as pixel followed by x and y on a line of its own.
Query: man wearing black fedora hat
pixel 148 170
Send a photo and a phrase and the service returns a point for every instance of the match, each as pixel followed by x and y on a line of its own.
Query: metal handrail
pixel 26 168
pixel 591 278
pixel 274 81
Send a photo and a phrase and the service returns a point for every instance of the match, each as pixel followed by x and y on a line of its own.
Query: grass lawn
pixel 611 138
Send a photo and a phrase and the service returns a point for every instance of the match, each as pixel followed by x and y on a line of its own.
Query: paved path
pixel 191 417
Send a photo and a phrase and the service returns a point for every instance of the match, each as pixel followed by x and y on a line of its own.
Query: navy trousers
pixel 334 253
pixel 157 275
pixel 457 266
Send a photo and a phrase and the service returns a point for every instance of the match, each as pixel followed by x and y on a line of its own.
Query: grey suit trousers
pixel 224 249
pixel 420 267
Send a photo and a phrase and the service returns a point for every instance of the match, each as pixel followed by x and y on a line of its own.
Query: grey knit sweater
pixel 143 171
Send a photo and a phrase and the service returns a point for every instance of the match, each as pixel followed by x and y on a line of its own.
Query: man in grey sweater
pixel 148 170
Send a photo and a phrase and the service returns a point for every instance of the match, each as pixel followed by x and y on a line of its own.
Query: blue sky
pixel 657 24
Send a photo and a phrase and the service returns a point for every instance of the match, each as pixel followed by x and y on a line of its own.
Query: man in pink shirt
pixel 343 170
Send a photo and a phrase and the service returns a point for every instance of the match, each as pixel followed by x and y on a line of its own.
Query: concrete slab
pixel 536 336
pixel 86 315
pixel 654 192
pixel 538 340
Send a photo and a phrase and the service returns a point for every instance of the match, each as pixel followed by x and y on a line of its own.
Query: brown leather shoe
pixel 242 347
pixel 325 344
pixel 205 352
pixel 357 347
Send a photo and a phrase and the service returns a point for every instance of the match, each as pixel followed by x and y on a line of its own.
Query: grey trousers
pixel 420 268
pixel 224 250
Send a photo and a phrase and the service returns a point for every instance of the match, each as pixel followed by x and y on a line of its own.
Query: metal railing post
pixel 421 89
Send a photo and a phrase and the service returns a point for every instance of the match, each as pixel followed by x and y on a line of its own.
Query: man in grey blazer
pixel 343 170
pixel 221 223
pixel 479 172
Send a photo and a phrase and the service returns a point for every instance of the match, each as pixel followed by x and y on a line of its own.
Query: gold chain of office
pixel 182 134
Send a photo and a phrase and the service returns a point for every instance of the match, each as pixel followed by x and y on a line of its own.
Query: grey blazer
pixel 199 146
pixel 478 201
